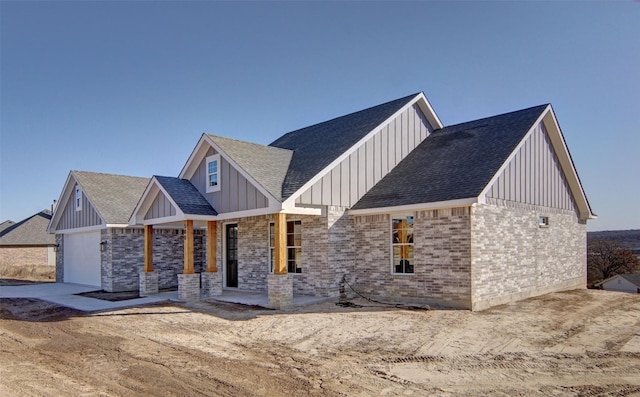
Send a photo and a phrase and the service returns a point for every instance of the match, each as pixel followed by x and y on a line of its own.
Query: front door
pixel 231 256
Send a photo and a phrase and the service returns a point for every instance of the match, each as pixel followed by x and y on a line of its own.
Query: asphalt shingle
pixel 30 231
pixel 113 196
pixel 186 196
pixel 316 146
pixel 266 164
pixel 454 162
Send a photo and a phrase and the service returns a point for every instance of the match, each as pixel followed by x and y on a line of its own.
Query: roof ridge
pixel 247 142
pixel 107 173
pixel 347 115
pixel 495 116
pixel 22 222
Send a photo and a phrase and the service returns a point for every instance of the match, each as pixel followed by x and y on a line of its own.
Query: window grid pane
pixel 402 244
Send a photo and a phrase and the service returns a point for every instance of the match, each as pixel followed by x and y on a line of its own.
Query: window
pixel 213 173
pixel 78 198
pixel 294 246
pixel 543 221
pixel 402 243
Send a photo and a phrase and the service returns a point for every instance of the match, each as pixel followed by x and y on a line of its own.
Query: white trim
pixel 391 243
pixel 302 211
pixel 211 159
pixel 65 195
pixel 119 225
pixel 81 229
pixel 422 102
pixel 246 214
pixel 547 117
pixel 415 207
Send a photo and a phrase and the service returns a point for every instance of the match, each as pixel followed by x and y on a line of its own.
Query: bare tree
pixel 606 258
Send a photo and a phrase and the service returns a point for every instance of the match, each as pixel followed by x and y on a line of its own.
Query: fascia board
pixel 57 212
pixel 194 159
pixel 428 111
pixel 81 229
pixel 512 155
pixel 144 201
pixel 240 170
pixel 418 98
pixel 67 194
pixel 416 207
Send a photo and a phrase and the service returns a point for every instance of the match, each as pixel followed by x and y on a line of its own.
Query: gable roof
pixel 453 163
pixel 633 278
pixel 267 165
pixel 6 224
pixel 316 146
pixel 30 231
pixel 113 196
pixel 185 196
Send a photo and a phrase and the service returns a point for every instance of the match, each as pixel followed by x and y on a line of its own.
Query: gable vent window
pixel 402 244
pixel 543 221
pixel 78 198
pixel 213 173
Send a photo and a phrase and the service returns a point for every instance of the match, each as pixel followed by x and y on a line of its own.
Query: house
pixel 27 242
pixel 96 246
pixel 404 209
pixel 621 283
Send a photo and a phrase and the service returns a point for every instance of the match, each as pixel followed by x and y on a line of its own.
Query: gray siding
pixel 534 176
pixel 236 192
pixel 72 219
pixel 348 181
pixel 160 208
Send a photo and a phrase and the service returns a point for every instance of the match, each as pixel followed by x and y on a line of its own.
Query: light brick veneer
pixel 514 258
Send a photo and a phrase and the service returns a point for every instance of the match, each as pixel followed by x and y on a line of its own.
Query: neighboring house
pixel 96 246
pixel 470 215
pixel 27 242
pixel 622 283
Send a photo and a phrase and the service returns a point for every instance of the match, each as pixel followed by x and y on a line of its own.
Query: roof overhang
pixel 548 118
pixel 419 100
pixel 416 207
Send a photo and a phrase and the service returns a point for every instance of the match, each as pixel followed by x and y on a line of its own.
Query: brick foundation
pixel 280 290
pixel 189 287
pixel 148 283
pixel 211 284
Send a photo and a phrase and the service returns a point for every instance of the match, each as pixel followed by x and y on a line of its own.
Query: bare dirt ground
pixel 577 343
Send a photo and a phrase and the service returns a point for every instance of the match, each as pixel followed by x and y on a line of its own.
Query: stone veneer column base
pixel 148 283
pixel 211 284
pixel 189 287
pixel 280 290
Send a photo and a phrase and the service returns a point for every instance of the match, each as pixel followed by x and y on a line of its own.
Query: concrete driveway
pixel 64 294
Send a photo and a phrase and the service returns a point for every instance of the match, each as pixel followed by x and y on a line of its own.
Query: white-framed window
pixel 213 173
pixel 402 244
pixel 294 246
pixel 543 221
pixel 78 198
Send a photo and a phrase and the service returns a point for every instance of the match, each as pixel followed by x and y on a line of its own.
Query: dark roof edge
pixel 44 213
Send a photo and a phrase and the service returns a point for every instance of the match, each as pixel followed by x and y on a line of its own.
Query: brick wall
pixel 123 259
pixel 24 256
pixel 514 258
pixel 60 258
pixel 441 259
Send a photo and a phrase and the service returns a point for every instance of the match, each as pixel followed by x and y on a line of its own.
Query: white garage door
pixel 82 258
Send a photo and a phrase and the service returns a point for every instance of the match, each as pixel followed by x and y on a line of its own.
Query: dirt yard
pixel 578 343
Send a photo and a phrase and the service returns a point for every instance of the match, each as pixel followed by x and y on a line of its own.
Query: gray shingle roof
pixel 186 196
pixel 315 147
pixel 266 164
pixel 6 224
pixel 633 278
pixel 30 231
pixel 454 162
pixel 113 196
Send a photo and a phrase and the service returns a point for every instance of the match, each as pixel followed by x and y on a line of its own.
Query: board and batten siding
pixel 160 208
pixel 534 176
pixel 72 219
pixel 236 192
pixel 349 180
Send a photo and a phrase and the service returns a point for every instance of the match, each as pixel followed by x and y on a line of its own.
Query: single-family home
pixel 622 283
pixel 96 245
pixel 27 242
pixel 387 198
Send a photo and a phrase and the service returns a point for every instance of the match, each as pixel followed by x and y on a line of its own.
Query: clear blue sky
pixel 128 87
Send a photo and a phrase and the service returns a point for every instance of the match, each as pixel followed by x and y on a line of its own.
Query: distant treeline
pixel 630 238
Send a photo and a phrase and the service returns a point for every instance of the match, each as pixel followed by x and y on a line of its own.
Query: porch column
pixel 148 284
pixel 280 283
pixel 212 278
pixel 188 281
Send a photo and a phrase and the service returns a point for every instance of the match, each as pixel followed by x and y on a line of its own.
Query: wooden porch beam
pixel 280 244
pixel 188 247
pixel 148 248
pixel 211 246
